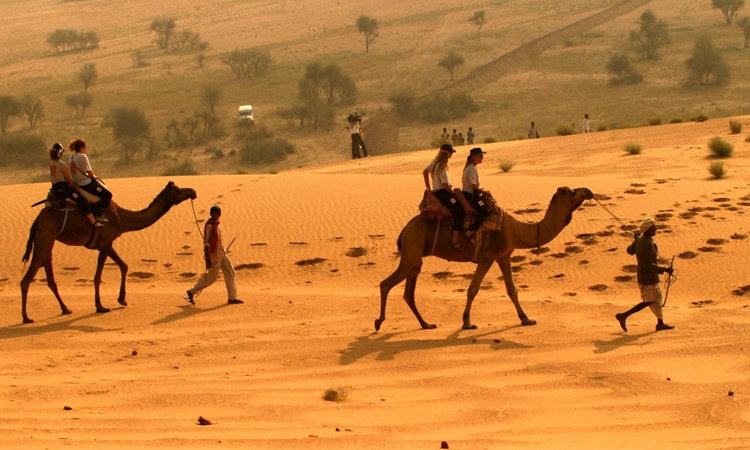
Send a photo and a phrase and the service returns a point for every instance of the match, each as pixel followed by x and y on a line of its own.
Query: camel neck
pixel 536 234
pixel 138 220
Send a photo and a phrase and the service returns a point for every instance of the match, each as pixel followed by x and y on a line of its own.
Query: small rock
pixel 669 379
pixel 731 393
pixel 338 429
pixel 203 421
pixel 70 408
pixel 496 341
pixel 135 353
pixel 444 445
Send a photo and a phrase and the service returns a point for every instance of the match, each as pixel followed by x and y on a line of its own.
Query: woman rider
pixel 471 190
pixel 62 183
pixel 443 189
pixel 83 175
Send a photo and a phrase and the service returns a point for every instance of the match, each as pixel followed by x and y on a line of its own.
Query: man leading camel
pixel 216 259
pixel 646 251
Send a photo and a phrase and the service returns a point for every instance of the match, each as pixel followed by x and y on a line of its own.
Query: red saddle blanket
pixel 431 207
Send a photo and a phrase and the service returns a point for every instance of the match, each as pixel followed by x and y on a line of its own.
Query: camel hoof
pixel 429 326
pixel 27 320
pixel 470 326
pixel 122 302
pixel 66 311
pixel 102 309
pixel 528 322
pixel 378 322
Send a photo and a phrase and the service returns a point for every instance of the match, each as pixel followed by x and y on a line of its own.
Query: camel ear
pixel 563 190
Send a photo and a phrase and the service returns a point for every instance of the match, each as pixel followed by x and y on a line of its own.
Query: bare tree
pixel 744 25
pixel 478 19
pixel 88 75
pixel 210 96
pixel 164 29
pixel 79 102
pixel 451 61
pixel 369 27
pixel 33 108
pixel 248 63
pixel 728 7
pixel 707 65
pixel 652 33
pixel 9 107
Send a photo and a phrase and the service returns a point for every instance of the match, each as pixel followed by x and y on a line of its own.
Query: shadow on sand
pixel 185 312
pixel 67 324
pixel 386 348
pixel 621 341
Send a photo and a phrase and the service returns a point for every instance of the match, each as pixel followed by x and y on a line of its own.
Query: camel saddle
pixel 60 203
pixel 431 208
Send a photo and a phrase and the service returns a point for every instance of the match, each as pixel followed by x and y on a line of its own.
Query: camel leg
pixel 393 279
pixel 482 267
pixel 53 285
pixel 25 282
pixel 123 272
pixel 411 286
pixel 103 253
pixel 510 287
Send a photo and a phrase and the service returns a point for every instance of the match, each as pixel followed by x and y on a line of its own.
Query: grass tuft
pixel 633 149
pixel 735 127
pixel 720 148
pixel 565 129
pixel 717 169
pixel 336 395
pixel 506 166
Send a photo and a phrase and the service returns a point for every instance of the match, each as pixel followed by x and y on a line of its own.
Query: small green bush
pixel 701 118
pixel 717 169
pixel 489 140
pixel 185 168
pixel 654 121
pixel 676 120
pixel 266 151
pixel 336 395
pixel 601 127
pixel 565 129
pixel 735 127
pixel 633 149
pixel 721 148
pixel 506 166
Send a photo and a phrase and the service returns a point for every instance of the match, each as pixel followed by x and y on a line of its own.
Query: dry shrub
pixel 506 166
pixel 633 148
pixel 335 395
pixel 717 169
pixel 721 148
pixel 735 127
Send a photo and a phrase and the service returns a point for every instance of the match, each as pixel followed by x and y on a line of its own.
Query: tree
pixel 744 25
pixel 164 29
pixel 651 34
pixel 451 61
pixel 622 70
pixel 369 27
pixel 478 19
pixel 63 40
pixel 88 75
pixel 79 102
pixel 248 63
pixel 130 129
pixel 9 107
pixel 707 65
pixel 335 85
pixel 210 96
pixel 33 108
pixel 728 7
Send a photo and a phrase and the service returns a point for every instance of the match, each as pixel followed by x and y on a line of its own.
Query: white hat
pixel 647 223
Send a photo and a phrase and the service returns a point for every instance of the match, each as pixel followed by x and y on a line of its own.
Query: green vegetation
pixel 676 120
pixel 63 40
pixel 717 169
pixel 22 149
pixel 248 63
pixel 654 121
pixel 728 8
pixel 369 28
pixel 700 118
pixel 652 33
pixel 720 148
pixel 478 19
pixel 735 127
pixel 621 67
pixel 450 61
pixel 9 107
pixel 707 65
pixel 633 149
pixel 744 25
pixel 506 166
pixel 565 129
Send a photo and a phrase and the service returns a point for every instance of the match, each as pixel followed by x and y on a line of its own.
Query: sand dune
pixel 312 246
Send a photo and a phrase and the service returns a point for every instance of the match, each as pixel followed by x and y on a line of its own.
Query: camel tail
pixel 30 242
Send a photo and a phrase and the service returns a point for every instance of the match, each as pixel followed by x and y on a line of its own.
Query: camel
pixel 418 237
pixel 74 229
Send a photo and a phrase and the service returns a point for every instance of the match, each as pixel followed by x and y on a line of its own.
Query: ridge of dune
pixel 311 247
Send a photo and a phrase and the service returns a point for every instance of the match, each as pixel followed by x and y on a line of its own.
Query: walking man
pixel 354 125
pixel 216 260
pixel 646 251
pixel 533 132
pixel 470 137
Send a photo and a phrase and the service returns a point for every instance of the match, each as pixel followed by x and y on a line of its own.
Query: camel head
pixel 569 200
pixel 176 195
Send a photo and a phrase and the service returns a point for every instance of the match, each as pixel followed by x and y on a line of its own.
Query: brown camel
pixel 418 236
pixel 51 225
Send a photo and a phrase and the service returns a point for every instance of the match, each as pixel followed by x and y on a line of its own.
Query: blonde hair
pixel 440 160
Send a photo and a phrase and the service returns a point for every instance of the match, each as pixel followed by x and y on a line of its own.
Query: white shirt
pixel 439 176
pixel 471 176
pixel 354 127
pixel 79 166
pixel 57 170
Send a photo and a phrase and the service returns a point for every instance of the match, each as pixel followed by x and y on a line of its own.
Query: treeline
pixel 63 40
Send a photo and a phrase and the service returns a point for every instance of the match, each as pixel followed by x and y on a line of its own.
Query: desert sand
pixel 311 247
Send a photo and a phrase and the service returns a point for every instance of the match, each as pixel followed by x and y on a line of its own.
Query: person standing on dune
pixel 644 248
pixel 216 259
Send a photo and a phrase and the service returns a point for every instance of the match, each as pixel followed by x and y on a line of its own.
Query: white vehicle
pixel 245 112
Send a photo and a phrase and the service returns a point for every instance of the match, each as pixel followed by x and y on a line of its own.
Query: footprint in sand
pixel 583 262
pixel 442 275
pixel 536 262
pixel 716 241
pixel 687 255
pixel 722 199
pixel 558 275
pixel 186 233
pixel 739 236
pixel 366 264
pixel 527 211
pixel 335 238
pixel 310 262
pixel 185 254
pixel 602 197
pixel 624 278
pixel 590 241
pixel 376 236
pixel 630 268
pixel 516 269
pixel 663 217
pixel 141 275
pixel 708 249
pixel 701 303
pixel 559 255
pixel 256 244
pixel 148 260
pixel 573 249
pixel 570 294
pixel 188 274
pixel 606 233
pixel 517 258
pixel 298 243
pixel 167 265
pixel 248 266
pixel 539 251
pixel 637 185
pixel 356 252
pixel 71 268
pixel 598 287
pixel 742 290
pixel 635 191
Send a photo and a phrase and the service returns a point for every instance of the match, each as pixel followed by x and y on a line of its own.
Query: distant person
pixel 645 250
pixel 445 137
pixel 84 177
pixel 62 183
pixel 354 125
pixel 454 137
pixel 461 139
pixel 470 137
pixel 437 169
pixel 216 259
pixel 472 190
pixel 586 126
pixel 533 132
